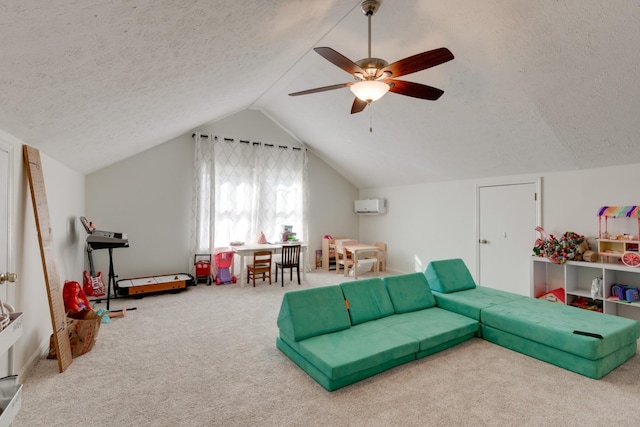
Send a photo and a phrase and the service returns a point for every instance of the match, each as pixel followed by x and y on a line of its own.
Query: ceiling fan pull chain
pixel 370 118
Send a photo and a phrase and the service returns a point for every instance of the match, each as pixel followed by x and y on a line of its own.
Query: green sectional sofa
pixel 341 334
pixel 549 332
pixel 344 333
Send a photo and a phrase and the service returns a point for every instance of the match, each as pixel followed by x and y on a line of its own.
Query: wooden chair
pixel 290 259
pixel 382 255
pixel 261 266
pixel 344 258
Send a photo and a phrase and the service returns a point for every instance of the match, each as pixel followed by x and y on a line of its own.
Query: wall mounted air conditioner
pixel 371 206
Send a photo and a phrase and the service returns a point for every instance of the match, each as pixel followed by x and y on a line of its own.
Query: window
pixel 246 188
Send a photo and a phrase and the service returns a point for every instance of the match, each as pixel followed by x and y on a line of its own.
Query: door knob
pixel 483 241
pixel 8 277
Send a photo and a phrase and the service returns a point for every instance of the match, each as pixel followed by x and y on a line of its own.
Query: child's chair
pixel 344 258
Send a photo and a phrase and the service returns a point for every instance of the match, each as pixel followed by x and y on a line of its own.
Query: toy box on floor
pixel 83 330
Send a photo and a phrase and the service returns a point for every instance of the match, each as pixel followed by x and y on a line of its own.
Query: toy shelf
pixel 329 252
pixel 10 388
pixel 575 278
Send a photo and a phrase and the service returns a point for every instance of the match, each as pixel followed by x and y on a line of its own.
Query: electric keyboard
pixel 99 239
pixel 102 242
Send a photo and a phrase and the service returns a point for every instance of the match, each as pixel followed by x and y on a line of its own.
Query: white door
pixel 5 203
pixel 6 161
pixel 507 217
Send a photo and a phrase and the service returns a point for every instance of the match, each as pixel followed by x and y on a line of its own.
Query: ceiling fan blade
pixel 415 90
pixel 419 62
pixel 339 60
pixel 358 105
pixel 321 89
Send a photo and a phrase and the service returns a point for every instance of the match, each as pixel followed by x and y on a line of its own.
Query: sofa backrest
pixel 449 275
pixel 409 292
pixel 367 300
pixel 310 312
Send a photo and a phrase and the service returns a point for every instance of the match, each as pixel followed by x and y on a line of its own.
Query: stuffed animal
pixel 581 250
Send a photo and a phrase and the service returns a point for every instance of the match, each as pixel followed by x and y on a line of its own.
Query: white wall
pixel 65 197
pixel 330 204
pixel 423 222
pixel 437 221
pixel 148 196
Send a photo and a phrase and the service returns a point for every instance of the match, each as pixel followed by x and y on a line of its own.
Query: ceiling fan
pixel 374 76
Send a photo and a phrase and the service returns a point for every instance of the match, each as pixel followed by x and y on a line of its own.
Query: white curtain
pixel 244 188
pixel 203 204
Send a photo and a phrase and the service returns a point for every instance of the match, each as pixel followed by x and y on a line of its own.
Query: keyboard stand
pixel 111 282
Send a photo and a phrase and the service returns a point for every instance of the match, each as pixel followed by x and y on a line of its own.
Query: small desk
pixel 247 250
pixel 359 248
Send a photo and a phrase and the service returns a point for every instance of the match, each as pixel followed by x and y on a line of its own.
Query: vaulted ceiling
pixel 534 87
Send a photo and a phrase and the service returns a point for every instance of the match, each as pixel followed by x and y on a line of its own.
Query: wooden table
pixel 360 248
pixel 248 250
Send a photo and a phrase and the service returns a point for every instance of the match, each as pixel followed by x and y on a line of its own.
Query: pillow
pixel 409 292
pixel 449 275
pixel 310 312
pixel 368 300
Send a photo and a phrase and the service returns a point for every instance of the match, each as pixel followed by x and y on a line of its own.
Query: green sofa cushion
pixel 409 292
pixel 470 302
pixel 433 327
pixel 335 383
pixel 595 369
pixel 553 325
pixel 310 312
pixel 367 300
pixel 361 348
pixel 449 275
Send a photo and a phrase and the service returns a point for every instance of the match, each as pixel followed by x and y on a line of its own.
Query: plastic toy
pixel 624 293
pixel 75 301
pixel 74 298
pixel 93 286
pixel 202 263
pixel 223 261
pixel 631 259
pixel 616 212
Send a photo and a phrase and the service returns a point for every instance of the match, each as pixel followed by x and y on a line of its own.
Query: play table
pixel 247 250
pixel 361 248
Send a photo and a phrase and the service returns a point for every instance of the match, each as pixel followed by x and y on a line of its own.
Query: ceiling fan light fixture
pixel 369 90
pixel 373 76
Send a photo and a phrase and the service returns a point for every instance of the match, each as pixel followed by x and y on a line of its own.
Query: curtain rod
pixel 193 135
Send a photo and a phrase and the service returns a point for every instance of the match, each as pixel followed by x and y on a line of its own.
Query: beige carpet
pixel 207 357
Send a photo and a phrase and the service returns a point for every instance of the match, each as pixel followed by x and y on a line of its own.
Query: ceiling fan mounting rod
pixel 369 50
pixel 369 8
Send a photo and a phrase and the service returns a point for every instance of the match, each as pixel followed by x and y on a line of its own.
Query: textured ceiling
pixel 535 86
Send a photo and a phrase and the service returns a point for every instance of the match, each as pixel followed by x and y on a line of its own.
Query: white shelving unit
pixel 10 389
pixel 575 277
